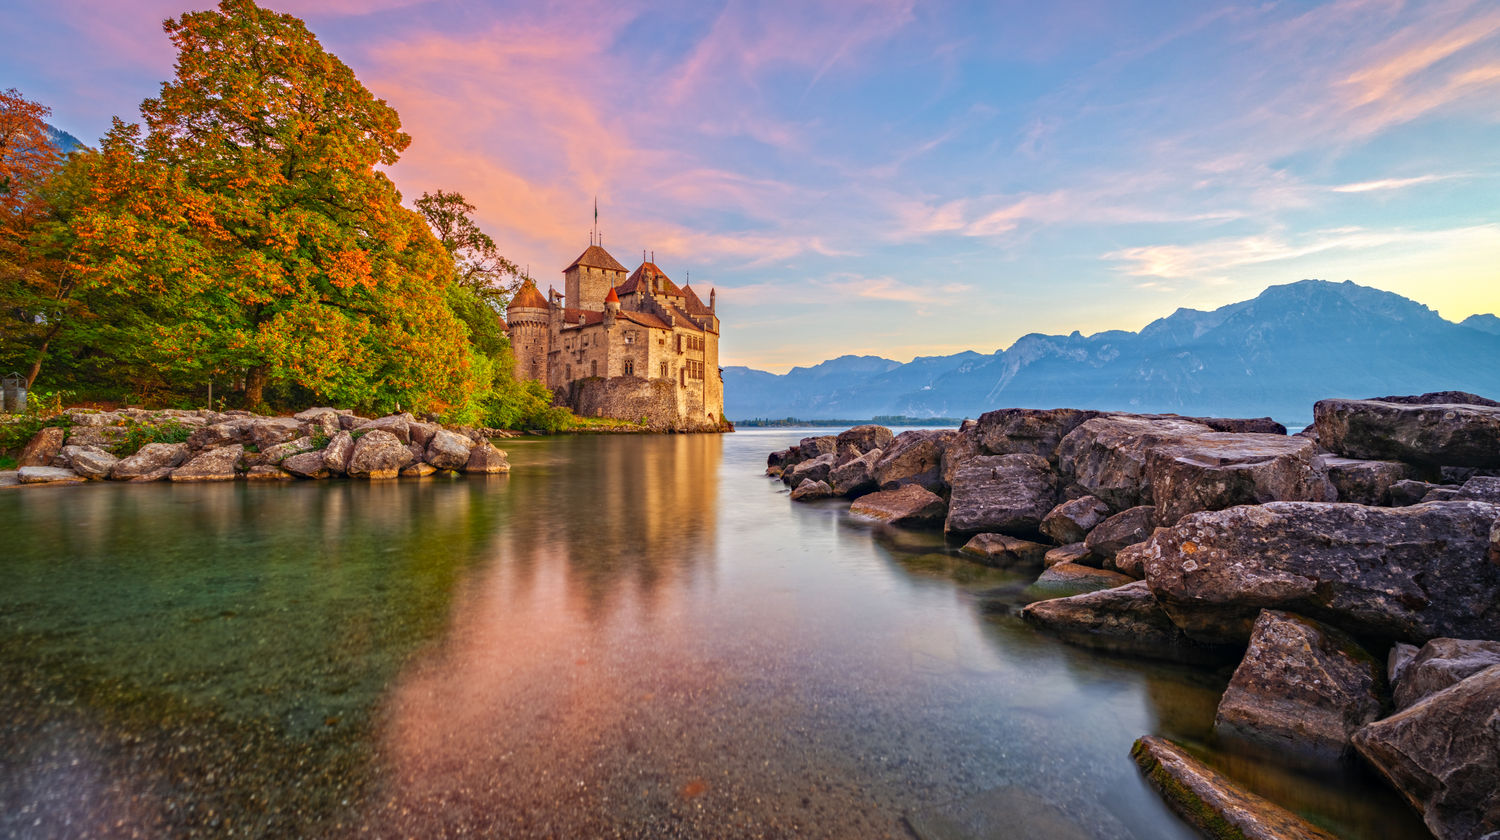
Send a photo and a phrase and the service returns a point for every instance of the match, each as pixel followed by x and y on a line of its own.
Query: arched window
pixel 630 367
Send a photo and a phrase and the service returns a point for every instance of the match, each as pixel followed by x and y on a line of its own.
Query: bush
pixel 140 434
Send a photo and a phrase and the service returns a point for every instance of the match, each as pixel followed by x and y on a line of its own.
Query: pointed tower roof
pixel 527 297
pixel 596 257
pixel 692 304
pixel 611 297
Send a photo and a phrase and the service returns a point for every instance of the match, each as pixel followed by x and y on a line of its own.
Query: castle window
pixel 594 368
pixel 662 340
pixel 630 336
pixel 570 372
pixel 663 370
pixel 630 367
pixel 679 344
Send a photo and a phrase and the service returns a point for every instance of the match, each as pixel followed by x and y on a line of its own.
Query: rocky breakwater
pixel 1352 571
pixel 198 446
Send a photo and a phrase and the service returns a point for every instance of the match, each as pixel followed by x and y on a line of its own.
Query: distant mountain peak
pixel 1483 323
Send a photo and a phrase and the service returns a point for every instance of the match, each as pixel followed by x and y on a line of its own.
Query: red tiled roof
pixel 693 304
pixel 611 297
pixel 682 318
pixel 645 274
pixel 527 297
pixel 596 257
pixel 592 318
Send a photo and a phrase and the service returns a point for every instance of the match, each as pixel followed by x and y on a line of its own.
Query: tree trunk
pixel 36 364
pixel 255 384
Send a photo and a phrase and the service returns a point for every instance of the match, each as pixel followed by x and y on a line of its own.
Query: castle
pixel 637 347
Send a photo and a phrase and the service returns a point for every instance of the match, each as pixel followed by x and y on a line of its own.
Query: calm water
pixel 625 637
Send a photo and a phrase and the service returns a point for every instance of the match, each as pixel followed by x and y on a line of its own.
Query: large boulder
pixel 963 446
pixel 277 453
pixel 338 451
pixel 1365 482
pixel 1077 553
pixel 149 459
pixel 1107 456
pixel 48 475
pixel 91 462
pixel 1302 690
pixel 1443 755
pixel 305 465
pixel 43 447
pixel 1241 425
pixel 397 424
pixel 1445 434
pixel 485 459
pixel 1481 488
pixel 1439 664
pixel 1212 803
pixel 266 432
pixel 1004 551
pixel 422 433
pixel 1124 619
pixel 811 447
pixel 1125 528
pixel 218 434
pixel 1217 470
pixel 1072 520
pixel 1409 491
pixel 810 490
pixel 1411 573
pixel 1028 431
pixel 864 438
pixel 1008 494
pixel 856 477
pixel 320 420
pixel 378 454
pixel 909 504
pixel 102 437
pixel 1440 398
pixel 448 450
pixel 814 469
pixel 914 457
pixel 218 464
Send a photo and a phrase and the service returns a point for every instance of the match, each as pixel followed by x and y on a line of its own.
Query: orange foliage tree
pixel 33 284
pixel 255 238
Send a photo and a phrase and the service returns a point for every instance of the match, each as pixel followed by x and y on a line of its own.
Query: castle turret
pixel 528 319
pixel 611 307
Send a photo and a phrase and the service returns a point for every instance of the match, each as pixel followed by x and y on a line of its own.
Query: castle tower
pixel 590 277
pixel 528 319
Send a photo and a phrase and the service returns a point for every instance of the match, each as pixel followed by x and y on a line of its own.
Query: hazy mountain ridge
pixel 1273 355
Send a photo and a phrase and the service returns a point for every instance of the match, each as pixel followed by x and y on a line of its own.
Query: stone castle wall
pixel 633 398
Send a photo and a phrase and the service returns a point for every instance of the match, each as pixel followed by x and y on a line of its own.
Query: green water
pixel 625 637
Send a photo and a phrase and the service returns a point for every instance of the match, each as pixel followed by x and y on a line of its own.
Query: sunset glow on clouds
pixel 913 178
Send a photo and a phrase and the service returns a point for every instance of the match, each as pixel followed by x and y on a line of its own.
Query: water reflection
pixel 634 637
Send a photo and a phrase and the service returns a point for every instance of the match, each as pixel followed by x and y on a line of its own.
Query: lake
pixel 627 636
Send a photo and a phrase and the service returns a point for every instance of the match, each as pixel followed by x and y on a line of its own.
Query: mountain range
pixel 1273 355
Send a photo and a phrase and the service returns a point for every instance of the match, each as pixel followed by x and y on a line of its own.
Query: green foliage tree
pixel 254 238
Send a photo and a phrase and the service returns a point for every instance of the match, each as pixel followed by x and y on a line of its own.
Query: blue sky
pixel 906 178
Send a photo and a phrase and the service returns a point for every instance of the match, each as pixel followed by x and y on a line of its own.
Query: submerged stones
pixel 1123 619
pixel 910 504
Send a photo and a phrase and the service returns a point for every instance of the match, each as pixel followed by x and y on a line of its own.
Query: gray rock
pixel 1445 434
pixel 1125 619
pixel 864 438
pixel 265 432
pixel 316 413
pixel 306 465
pixel 268 472
pixel 1440 398
pixel 420 469
pixel 857 477
pixel 960 449
pixel 485 459
pixel 1443 755
pixel 378 454
pixel 218 464
pixel 397 424
pixel 350 422
pixel 914 457
pixel 1410 492
pixel 276 454
pixel 1107 456
pixel 159 474
pixel 1411 573
pixel 1397 660
pixel 337 453
pixel 1066 579
pixel 1127 527
pixel 1072 520
pixel 1441 494
pixel 90 462
pixel 1007 494
pixel 151 458
pixel 1004 551
pixel 1441 663
pixel 811 447
pixel 1241 425
pixel 43 447
pixel 92 417
pixel 218 434
pixel 100 437
pixel 421 433
pixel 1217 470
pixel 1131 560
pixel 1481 488
pixel 1077 553
pixel 1301 692
pixel 1365 482
pixel 448 450
pixel 47 475
pixel 1029 431
pixel 815 470
pixel 1494 553
pixel 910 505
pixel 810 490
pixel 1212 803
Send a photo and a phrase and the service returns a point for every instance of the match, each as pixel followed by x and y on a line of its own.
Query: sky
pixel 905 178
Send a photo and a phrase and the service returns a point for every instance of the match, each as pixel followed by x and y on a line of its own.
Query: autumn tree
pixel 478 264
pixel 249 221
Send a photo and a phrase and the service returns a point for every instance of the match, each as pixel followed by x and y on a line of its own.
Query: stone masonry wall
pixel 631 398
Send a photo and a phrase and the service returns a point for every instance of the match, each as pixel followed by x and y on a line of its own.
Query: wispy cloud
pixel 1389 183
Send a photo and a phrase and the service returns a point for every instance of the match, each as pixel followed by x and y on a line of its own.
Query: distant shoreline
pixel 882 420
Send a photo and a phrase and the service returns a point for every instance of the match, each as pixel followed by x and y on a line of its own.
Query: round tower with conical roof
pixel 528 320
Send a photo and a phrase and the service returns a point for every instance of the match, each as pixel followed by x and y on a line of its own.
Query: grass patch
pixel 7 463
